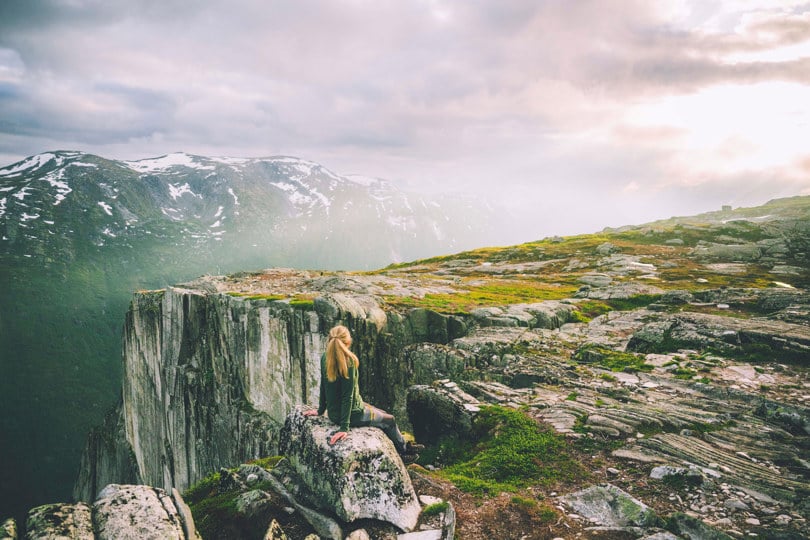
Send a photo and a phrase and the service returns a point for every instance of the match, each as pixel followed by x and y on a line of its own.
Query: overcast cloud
pixel 572 114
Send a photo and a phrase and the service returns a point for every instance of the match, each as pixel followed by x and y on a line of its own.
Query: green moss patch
pixel 507 451
pixel 609 359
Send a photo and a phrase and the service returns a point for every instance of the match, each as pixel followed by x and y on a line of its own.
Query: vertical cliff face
pixel 209 378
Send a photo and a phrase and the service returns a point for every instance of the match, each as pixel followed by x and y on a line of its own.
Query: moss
pixel 249 296
pixel 268 463
pixel 608 377
pixel 572 396
pixel 303 303
pixel 435 509
pixel 493 292
pixel 609 359
pixel 509 450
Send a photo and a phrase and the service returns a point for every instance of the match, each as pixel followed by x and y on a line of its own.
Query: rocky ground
pixel 674 357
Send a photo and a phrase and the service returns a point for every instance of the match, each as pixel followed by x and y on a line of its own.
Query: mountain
pixel 79 233
pixel 57 206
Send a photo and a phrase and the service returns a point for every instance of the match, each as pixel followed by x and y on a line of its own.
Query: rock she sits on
pixel 361 476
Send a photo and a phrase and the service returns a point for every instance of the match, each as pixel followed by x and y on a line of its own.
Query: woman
pixel 340 394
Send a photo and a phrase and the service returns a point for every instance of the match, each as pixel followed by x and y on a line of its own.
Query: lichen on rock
pixel 361 476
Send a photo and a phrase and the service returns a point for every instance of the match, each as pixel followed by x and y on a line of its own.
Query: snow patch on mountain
pixel 57 180
pixel 34 162
pixel 161 164
pixel 22 193
pixel 107 208
pixel 176 191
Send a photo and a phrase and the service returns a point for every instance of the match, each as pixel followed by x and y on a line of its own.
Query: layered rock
pixel 361 476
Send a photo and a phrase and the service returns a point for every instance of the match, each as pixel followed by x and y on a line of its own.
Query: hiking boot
pixel 413 448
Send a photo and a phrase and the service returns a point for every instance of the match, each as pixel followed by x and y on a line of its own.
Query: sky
pixel 565 115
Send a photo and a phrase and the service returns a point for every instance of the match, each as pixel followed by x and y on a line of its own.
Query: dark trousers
pixel 372 416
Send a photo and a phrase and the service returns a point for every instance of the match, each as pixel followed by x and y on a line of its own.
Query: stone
pixel 608 506
pixel 660 536
pixel 735 504
pixel 437 410
pixel 358 534
pixel 361 476
pixel 595 279
pixel 126 512
pixel 55 521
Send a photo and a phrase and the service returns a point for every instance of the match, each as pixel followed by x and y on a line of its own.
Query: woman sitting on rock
pixel 340 395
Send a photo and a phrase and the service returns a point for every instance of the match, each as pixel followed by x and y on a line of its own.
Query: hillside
pixel 670 360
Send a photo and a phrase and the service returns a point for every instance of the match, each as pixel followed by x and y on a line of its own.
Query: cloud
pixel 597 94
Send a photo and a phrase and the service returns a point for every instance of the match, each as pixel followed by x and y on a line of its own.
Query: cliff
pixel 210 377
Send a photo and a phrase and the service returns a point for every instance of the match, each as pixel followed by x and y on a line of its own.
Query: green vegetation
pixel 609 359
pixel 507 451
pixel 267 463
pixel 249 296
pixel 494 292
pixel 435 509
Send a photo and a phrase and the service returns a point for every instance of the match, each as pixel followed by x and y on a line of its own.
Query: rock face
pixel 120 513
pixel 359 477
pixel 211 378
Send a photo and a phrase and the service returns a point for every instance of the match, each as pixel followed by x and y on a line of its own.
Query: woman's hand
pixel 337 436
pixel 310 412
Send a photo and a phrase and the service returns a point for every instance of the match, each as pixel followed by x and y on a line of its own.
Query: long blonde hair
pixel 338 353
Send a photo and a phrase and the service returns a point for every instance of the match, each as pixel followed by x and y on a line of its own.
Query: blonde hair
pixel 338 353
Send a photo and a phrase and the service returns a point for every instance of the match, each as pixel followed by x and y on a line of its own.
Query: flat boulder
pixel 608 506
pixel 129 512
pixel 360 477
pixel 60 521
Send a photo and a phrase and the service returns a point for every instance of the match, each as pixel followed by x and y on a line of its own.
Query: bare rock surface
pixel 361 476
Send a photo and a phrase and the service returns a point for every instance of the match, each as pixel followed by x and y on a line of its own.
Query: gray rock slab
pixel 361 476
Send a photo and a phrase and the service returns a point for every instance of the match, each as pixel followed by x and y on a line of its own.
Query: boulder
pixel 608 506
pixel 124 512
pixel 361 476
pixel 60 521
pixel 439 410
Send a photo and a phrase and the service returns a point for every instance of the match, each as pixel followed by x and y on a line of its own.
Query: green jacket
pixel 341 398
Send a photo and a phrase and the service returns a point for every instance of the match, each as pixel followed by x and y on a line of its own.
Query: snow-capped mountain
pixel 276 210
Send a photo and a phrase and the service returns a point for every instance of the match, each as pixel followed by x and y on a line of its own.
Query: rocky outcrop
pixel 440 409
pixel 211 377
pixel 360 477
pixel 766 339
pixel 121 512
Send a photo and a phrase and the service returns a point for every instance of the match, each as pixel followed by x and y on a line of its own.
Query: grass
pixel 610 359
pixel 493 292
pixel 435 509
pixel 507 451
